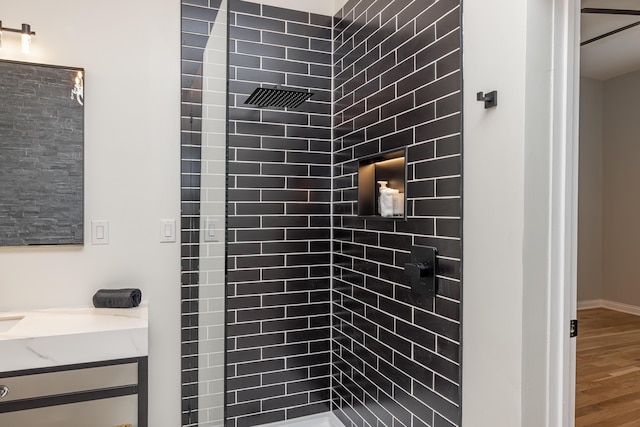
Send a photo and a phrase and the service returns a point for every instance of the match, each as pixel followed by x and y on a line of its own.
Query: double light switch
pixel 100 231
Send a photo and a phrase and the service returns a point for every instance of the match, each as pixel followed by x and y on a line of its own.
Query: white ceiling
pixel 614 55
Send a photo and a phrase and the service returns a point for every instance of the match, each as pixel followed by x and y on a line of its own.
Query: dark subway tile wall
pixel 397 84
pixel 279 231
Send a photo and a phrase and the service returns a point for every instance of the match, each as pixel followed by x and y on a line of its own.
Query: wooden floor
pixel 608 365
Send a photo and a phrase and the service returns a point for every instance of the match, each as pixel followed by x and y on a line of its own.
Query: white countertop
pixel 55 337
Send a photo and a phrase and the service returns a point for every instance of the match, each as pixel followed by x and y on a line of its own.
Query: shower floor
pixel 320 420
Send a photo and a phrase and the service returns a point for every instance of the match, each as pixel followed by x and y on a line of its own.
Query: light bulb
pixel 26 38
pixel 26 43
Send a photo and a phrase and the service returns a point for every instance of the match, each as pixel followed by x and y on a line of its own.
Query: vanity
pixel 74 368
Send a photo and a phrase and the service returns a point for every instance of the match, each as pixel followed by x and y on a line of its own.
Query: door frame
pixel 564 212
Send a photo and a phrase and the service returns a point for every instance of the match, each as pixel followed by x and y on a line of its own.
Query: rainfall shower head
pixel 264 97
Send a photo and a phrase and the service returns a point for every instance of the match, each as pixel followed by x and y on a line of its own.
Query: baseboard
pixel 611 305
pixel 594 303
pixel 618 306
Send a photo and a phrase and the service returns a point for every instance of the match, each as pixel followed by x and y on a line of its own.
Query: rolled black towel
pixel 117 298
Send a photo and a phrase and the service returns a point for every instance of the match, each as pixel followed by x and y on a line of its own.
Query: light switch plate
pixel 211 230
pixel 167 230
pixel 100 232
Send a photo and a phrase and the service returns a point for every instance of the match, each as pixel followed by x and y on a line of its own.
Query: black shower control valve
pixel 417 271
pixel 421 270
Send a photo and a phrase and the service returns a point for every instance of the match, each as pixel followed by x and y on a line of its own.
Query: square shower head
pixel 265 97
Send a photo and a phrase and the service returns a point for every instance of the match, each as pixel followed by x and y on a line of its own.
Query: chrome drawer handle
pixel 4 390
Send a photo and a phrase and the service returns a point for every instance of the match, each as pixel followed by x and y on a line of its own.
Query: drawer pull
pixel 4 390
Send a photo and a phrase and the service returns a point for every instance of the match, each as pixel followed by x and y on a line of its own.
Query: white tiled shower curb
pixel 326 419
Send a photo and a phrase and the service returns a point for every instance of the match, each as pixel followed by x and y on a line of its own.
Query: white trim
pixel 624 308
pixel 327 419
pixel 589 304
pixel 611 305
pixel 564 206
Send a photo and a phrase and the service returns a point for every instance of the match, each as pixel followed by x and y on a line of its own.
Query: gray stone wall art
pixel 41 155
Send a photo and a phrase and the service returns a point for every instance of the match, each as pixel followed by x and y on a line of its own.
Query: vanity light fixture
pixel 25 33
pixel 78 88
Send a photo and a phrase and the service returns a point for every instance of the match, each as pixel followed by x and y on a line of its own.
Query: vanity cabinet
pixel 99 394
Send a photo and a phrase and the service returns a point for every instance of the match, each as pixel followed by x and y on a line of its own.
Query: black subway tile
pixel 260 208
pixel 440 48
pixel 448 227
pixel 200 13
pixel 259 341
pixel 309 30
pixel 246 34
pixel 398 106
pixel 417 116
pixel 439 421
pixel 260 261
pixel 285 273
pixel 258 49
pixel 447 166
pixel 260 76
pixel 435 12
pixel 285 401
pixel 322 46
pixel 380 129
pixel 448 64
pixel 285 14
pixel 439 128
pixel 285 66
pixel 260 393
pixel 285 40
pixel 260 129
pixel 259 23
pixel 448 349
pixel 449 187
pixel 438 89
pixel 321 20
pixel 307 56
pixel 247 7
pixel 438 403
pixel 310 82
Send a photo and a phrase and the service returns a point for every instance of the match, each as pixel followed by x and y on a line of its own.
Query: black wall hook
pixel 490 99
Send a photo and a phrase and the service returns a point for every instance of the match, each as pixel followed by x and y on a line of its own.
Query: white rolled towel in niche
pixel 386 201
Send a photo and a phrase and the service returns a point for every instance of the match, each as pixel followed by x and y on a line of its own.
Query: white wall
pixel 493 214
pixel 506 211
pixel 131 53
pixel 590 206
pixel 621 200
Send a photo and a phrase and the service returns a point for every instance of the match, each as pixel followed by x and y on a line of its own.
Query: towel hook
pixel 490 99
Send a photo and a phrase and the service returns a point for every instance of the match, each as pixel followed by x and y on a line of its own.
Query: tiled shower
pixel 317 311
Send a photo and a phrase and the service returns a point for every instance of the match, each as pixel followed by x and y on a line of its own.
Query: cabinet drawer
pixel 71 381
pixel 97 413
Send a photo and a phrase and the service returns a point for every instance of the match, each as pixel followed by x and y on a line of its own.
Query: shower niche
pixel 381 185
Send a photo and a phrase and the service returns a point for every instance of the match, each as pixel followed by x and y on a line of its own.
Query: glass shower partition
pixel 211 336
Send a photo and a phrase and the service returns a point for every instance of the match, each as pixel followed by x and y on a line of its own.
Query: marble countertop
pixel 55 337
